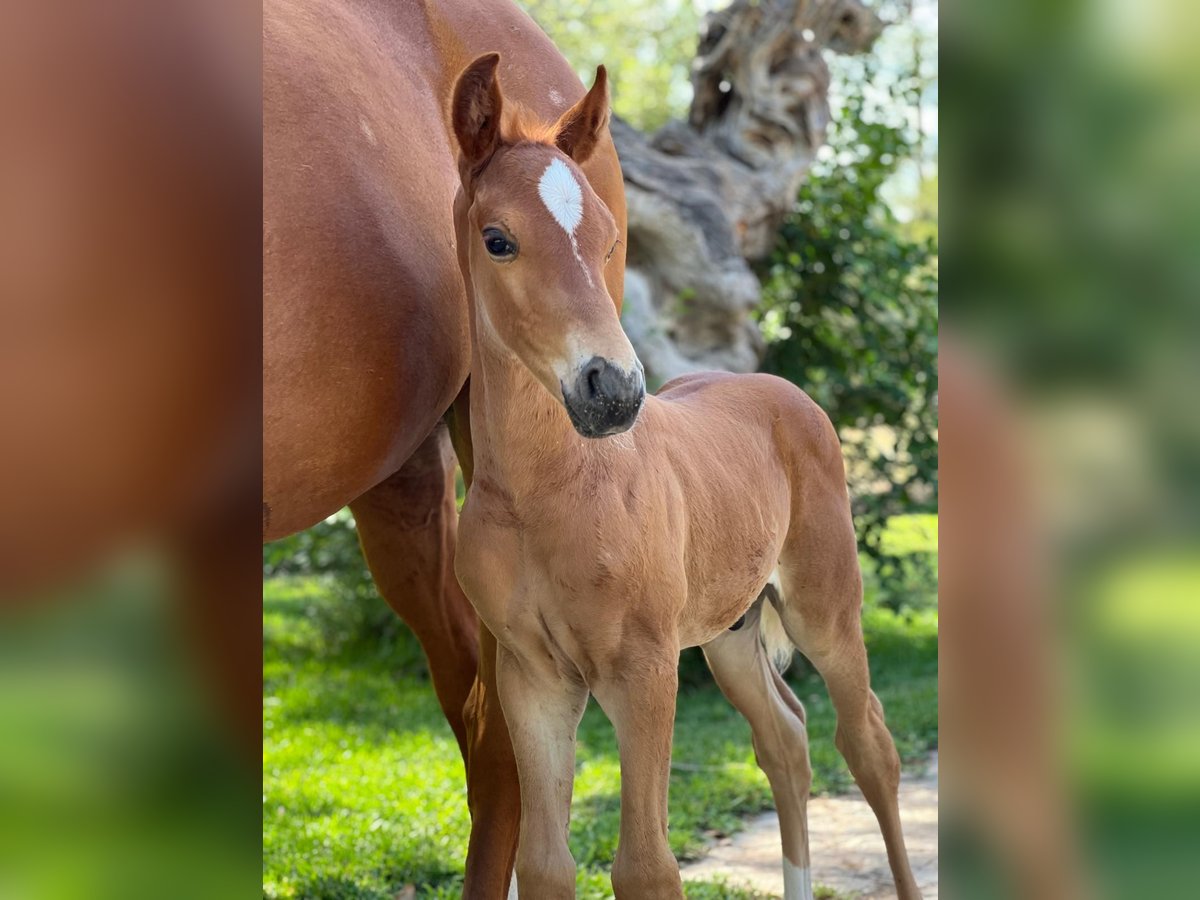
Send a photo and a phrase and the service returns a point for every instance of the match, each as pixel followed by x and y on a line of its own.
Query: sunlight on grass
pixel 911 534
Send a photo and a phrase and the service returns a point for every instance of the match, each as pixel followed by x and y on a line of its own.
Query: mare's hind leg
pixel 821 609
pixel 407 526
pixel 747 677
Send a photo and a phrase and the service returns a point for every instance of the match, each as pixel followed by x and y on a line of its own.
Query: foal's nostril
pixel 593 383
pixel 605 398
pixel 591 377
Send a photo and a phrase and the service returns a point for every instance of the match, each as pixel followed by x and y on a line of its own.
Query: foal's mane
pixel 519 124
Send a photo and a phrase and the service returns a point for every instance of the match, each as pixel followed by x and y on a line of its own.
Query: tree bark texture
pixel 707 196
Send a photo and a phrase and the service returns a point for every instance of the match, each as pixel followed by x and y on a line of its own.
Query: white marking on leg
pixel 797 882
pixel 561 194
pixel 512 888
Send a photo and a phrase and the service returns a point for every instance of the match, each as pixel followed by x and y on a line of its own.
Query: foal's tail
pixel 778 645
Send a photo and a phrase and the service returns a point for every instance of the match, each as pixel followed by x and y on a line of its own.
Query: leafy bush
pixel 850 314
pixel 351 614
pixel 330 546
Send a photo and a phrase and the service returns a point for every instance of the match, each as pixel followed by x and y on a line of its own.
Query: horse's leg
pixel 543 710
pixel 492 786
pixel 406 525
pixel 220 606
pixel 751 683
pixel 493 792
pixel 821 609
pixel 640 702
pixel 866 744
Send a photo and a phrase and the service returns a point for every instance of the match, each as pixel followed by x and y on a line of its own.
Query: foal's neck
pixel 523 440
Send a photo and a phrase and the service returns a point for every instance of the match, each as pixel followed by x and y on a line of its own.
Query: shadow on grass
pixel 332 888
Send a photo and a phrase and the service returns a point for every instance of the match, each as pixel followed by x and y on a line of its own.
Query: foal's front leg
pixel 543 709
pixel 640 702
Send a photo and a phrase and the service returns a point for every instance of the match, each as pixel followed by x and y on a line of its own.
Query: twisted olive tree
pixel 707 196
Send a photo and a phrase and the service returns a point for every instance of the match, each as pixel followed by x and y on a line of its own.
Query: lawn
pixel 363 788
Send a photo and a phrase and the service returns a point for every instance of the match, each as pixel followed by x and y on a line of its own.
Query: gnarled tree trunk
pixel 707 196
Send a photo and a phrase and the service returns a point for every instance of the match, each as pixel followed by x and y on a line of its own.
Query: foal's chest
pixel 525 574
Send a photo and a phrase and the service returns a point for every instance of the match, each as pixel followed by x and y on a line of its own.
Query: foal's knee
pixel 646 872
pixel 546 871
pixel 784 755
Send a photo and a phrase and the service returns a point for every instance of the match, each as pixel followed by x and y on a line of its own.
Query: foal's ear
pixel 475 111
pixel 581 126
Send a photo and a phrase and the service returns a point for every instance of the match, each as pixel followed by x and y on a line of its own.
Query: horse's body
pixel 594 556
pixel 365 324
pixel 365 333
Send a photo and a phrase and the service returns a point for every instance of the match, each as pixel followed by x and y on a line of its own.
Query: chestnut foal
pixel 595 556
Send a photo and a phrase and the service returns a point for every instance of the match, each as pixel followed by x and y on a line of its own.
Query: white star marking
pixel 561 194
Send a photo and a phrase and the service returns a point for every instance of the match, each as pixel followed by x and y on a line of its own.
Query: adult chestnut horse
pixel 365 325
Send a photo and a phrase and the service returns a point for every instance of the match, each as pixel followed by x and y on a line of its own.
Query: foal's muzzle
pixel 605 398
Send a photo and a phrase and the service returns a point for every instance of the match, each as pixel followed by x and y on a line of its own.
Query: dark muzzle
pixel 605 398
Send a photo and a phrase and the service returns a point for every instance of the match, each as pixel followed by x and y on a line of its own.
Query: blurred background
pixel 1070 312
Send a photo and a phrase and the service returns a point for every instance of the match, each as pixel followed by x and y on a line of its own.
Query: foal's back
pixel 741 458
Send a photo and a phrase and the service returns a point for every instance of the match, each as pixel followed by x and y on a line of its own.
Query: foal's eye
pixel 612 249
pixel 498 245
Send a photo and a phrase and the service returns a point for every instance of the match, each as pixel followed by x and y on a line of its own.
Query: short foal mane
pixel 521 125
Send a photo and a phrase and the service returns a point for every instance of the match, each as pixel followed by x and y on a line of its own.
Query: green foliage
pixel 363 785
pixel 330 546
pixel 646 45
pixel 354 615
pixel 850 314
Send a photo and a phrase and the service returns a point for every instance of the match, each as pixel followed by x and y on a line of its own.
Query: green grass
pixel 363 788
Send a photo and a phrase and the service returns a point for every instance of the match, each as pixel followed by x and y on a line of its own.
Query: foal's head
pixel 536 240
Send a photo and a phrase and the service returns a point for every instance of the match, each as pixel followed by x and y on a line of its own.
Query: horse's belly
pixel 365 339
pixel 733 554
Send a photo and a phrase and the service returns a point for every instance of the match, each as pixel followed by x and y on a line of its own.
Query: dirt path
pixel 847 851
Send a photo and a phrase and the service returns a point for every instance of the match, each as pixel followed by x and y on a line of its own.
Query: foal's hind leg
pixel 745 675
pixel 821 609
pixel 866 744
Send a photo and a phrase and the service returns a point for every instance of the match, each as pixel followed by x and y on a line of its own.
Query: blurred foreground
pixel 129 449
pixel 117 775
pixel 1070 463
